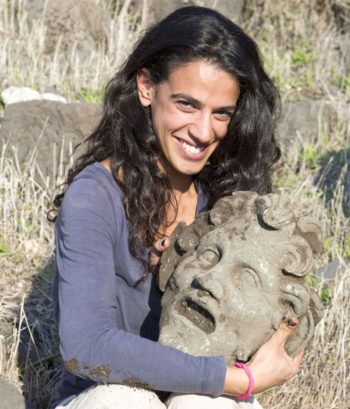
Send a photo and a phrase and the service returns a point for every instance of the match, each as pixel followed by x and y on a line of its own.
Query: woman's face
pixel 191 112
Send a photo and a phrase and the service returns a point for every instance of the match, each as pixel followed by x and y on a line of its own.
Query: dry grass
pixel 28 333
pixel 304 44
pixel 302 48
pixel 23 59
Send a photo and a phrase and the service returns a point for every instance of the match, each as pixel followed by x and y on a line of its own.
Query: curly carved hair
pixel 272 211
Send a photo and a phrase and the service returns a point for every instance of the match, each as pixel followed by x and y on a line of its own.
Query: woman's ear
pixel 145 87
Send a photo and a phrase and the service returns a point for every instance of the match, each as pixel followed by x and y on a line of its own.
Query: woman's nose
pixel 202 129
pixel 209 283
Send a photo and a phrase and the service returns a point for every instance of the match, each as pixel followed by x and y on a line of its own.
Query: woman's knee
pixel 190 401
pixel 115 397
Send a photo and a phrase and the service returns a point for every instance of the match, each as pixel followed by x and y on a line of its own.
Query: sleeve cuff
pixel 214 376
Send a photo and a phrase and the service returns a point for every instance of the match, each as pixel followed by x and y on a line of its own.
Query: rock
pixel 42 124
pixel 69 24
pixel 11 95
pixel 328 272
pixel 49 96
pixel 302 121
pixel 11 398
pixel 156 10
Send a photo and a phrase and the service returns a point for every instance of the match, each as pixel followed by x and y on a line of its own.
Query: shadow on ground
pixel 38 356
pixel 333 179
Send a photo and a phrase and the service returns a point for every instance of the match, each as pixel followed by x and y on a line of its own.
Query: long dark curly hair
pixel 242 161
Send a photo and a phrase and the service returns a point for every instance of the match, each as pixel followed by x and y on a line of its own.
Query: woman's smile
pixel 191 151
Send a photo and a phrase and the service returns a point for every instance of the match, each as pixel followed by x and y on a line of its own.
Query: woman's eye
pixel 185 104
pixel 224 115
pixel 209 256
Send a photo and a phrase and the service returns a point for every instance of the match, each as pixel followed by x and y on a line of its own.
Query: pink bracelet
pixel 249 392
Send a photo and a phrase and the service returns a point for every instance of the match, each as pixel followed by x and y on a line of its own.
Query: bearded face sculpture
pixel 235 273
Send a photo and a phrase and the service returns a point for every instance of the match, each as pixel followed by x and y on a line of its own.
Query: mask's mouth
pixel 197 314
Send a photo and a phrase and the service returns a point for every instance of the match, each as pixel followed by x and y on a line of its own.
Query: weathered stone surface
pixel 42 124
pixel 12 95
pixel 234 274
pixel 81 24
pixel 156 10
pixel 10 397
pixel 301 122
pixel 328 272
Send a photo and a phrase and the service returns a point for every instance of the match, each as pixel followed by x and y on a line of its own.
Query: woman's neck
pixel 183 208
pixel 181 183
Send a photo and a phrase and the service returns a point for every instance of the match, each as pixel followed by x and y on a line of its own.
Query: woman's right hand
pixel 270 365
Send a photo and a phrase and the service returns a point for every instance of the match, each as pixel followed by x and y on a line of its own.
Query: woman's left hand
pixel 156 252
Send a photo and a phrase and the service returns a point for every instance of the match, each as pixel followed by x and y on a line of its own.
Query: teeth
pixel 191 149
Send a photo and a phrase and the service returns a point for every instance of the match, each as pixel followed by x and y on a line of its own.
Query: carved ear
pixel 302 335
pixel 171 257
pixel 298 257
pixel 183 241
pixel 304 303
pixel 296 298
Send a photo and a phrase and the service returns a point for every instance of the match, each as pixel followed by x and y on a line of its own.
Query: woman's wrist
pixel 236 381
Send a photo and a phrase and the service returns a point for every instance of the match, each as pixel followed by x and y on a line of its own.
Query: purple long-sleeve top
pixel 109 324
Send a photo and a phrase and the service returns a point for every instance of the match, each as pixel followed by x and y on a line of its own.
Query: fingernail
pixel 291 322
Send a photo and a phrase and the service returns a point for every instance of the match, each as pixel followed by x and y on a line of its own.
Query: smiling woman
pixel 189 118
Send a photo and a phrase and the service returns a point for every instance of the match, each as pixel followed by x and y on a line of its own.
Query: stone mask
pixel 235 273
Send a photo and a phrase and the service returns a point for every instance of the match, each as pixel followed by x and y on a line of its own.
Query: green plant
pixel 4 248
pixel 301 56
pixel 343 82
pixel 323 291
pixel 284 180
pixel 90 95
pixel 346 248
pixel 310 156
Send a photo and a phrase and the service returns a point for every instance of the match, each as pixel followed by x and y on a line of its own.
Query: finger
pixel 292 322
pixel 156 252
pixel 154 258
pixel 296 363
pixel 161 245
pixel 299 358
pixel 284 331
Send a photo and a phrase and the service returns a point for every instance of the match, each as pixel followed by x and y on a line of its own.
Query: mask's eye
pixel 249 277
pixel 209 257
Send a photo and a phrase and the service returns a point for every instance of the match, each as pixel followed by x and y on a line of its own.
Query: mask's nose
pixel 210 284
